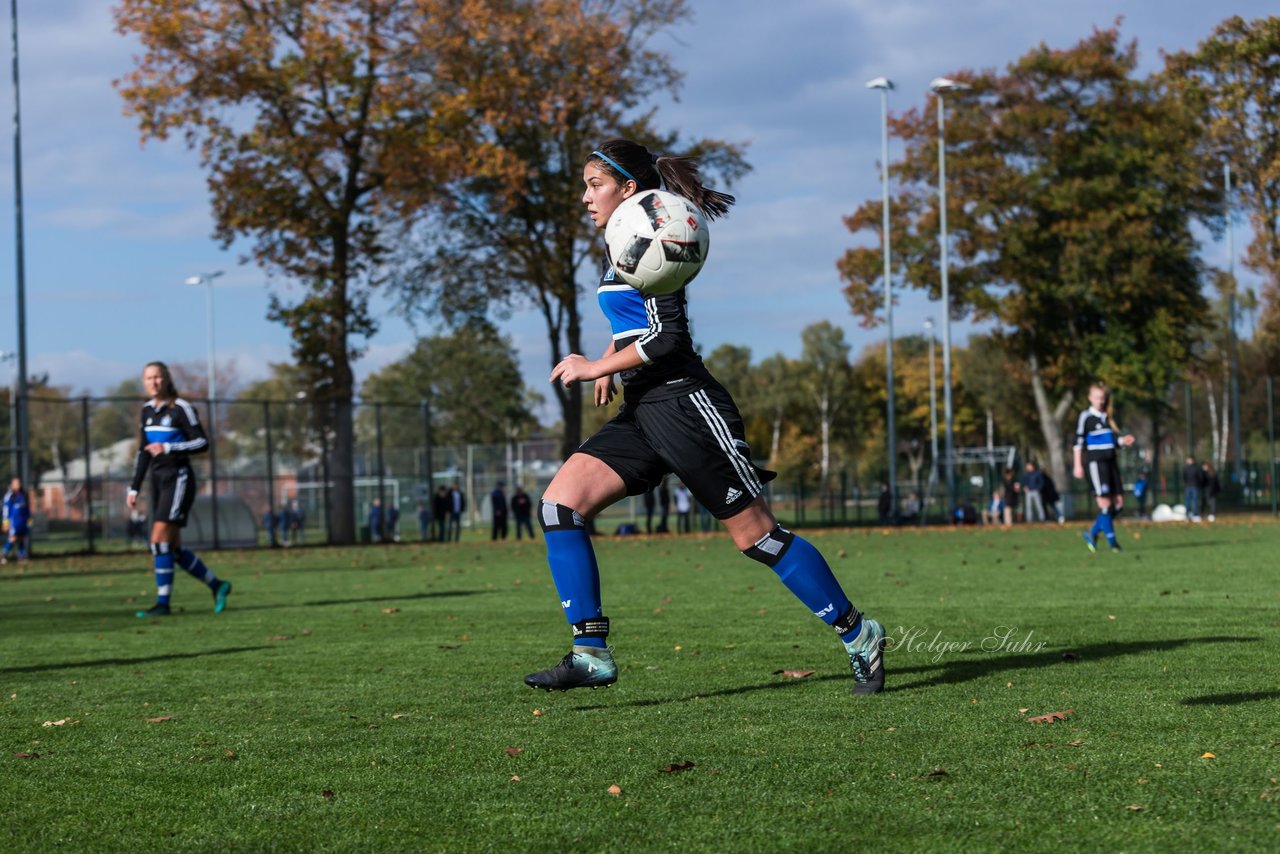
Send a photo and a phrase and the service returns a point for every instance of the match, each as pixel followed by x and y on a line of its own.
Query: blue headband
pixel 607 159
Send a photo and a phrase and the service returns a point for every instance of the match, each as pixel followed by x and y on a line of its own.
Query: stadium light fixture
pixel 884 84
pixel 940 87
pixel 207 280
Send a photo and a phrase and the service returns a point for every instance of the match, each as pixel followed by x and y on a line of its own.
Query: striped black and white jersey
pixel 1096 435
pixel 659 327
pixel 175 426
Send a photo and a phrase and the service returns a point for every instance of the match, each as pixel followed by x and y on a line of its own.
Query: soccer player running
pixel 17 515
pixel 171 433
pixel 1096 438
pixel 675 418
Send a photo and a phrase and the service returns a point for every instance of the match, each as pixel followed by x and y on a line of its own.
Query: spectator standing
pixel 522 511
pixel 498 507
pixel 1212 486
pixel 457 506
pixel 650 501
pixel 1033 489
pixel 993 513
pixel 683 508
pixel 664 506
pixel 1140 493
pixel 424 522
pixel 884 505
pixel 393 523
pixel 375 520
pixel 1009 494
pixel 297 521
pixel 1052 500
pixel 440 511
pixel 1191 478
pixel 268 525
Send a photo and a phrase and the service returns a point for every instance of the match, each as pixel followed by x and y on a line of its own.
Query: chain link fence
pixel 266 480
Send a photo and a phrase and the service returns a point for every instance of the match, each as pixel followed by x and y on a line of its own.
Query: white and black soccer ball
pixel 657 241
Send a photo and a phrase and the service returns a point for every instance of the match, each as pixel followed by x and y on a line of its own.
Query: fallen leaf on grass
pixel 1207 755
pixel 1134 808
pixel 1077 743
pixel 1023 711
pixel 56 723
pixel 1051 717
pixel 675 767
pixel 514 751
pixel 515 778
pixel 231 754
pixel 937 772
pixel 160 720
pixel 391 610
pixel 615 790
pixel 26 755
pixel 327 793
pixel 306 633
pixel 399 715
pixel 537 713
pixel 279 637
pixel 794 674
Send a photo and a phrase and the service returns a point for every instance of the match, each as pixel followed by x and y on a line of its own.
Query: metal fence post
pixel 88 474
pixel 382 492
pixel 213 468
pixel 271 475
pixel 1271 433
pixel 324 472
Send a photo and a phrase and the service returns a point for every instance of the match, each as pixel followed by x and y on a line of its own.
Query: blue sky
pixel 113 228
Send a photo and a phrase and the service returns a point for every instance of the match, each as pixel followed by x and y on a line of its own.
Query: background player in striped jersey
pixel 171 433
pixel 1097 437
pixel 675 418
pixel 17 517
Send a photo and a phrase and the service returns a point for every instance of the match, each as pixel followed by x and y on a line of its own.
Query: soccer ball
pixel 657 241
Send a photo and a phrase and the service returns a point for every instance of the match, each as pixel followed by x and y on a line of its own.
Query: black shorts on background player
pixel 173 491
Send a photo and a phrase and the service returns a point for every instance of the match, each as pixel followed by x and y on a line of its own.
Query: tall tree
pixel 322 127
pixel 552 79
pixel 828 382
pixel 470 380
pixel 1072 186
pixel 1234 75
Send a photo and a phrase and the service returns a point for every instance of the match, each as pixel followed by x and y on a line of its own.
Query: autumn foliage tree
pixel 323 127
pixel 1072 187
pixel 551 80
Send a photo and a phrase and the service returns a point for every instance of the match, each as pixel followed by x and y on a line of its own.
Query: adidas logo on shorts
pixel 732 496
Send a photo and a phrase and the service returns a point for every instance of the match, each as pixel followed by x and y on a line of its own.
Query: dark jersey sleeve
pixel 668 326
pixel 143 460
pixel 194 440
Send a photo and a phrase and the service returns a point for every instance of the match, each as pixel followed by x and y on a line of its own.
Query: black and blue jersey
pixel 175 426
pixel 17 511
pixel 659 327
pixel 1096 435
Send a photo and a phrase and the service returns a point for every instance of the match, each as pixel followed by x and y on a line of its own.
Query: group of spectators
pixel 1201 487
pixel 287 526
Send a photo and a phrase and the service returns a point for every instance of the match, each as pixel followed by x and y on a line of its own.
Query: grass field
pixel 370 699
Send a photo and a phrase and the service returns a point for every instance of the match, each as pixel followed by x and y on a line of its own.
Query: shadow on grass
pixel 969 669
pixel 1231 699
pixel 143 659
pixel 439 594
pixel 1206 544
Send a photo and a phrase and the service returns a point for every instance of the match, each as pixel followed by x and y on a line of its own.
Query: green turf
pixel 370 699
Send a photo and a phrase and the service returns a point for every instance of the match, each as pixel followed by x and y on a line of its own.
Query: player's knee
pixel 770 548
pixel 558 517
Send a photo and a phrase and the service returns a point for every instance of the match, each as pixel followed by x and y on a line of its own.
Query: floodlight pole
pixel 941 85
pixel 884 84
pixel 933 416
pixel 1231 331
pixel 206 279
pixel 23 421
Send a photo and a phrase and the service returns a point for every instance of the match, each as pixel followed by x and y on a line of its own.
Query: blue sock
pixel 1108 525
pixel 8 547
pixel 164 572
pixel 804 571
pixel 574 571
pixel 195 567
pixel 1097 527
pixel 22 549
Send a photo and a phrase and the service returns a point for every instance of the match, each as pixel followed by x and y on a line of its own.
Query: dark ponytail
pixel 625 161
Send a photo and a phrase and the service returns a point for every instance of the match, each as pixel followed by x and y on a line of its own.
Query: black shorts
pixel 1104 478
pixel 697 436
pixel 173 491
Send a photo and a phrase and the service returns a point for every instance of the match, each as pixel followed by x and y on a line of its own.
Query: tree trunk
pixel 1215 448
pixel 1051 416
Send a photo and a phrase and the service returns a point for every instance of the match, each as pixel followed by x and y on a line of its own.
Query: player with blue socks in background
pixel 1097 438
pixel 675 418
pixel 171 433
pixel 17 519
